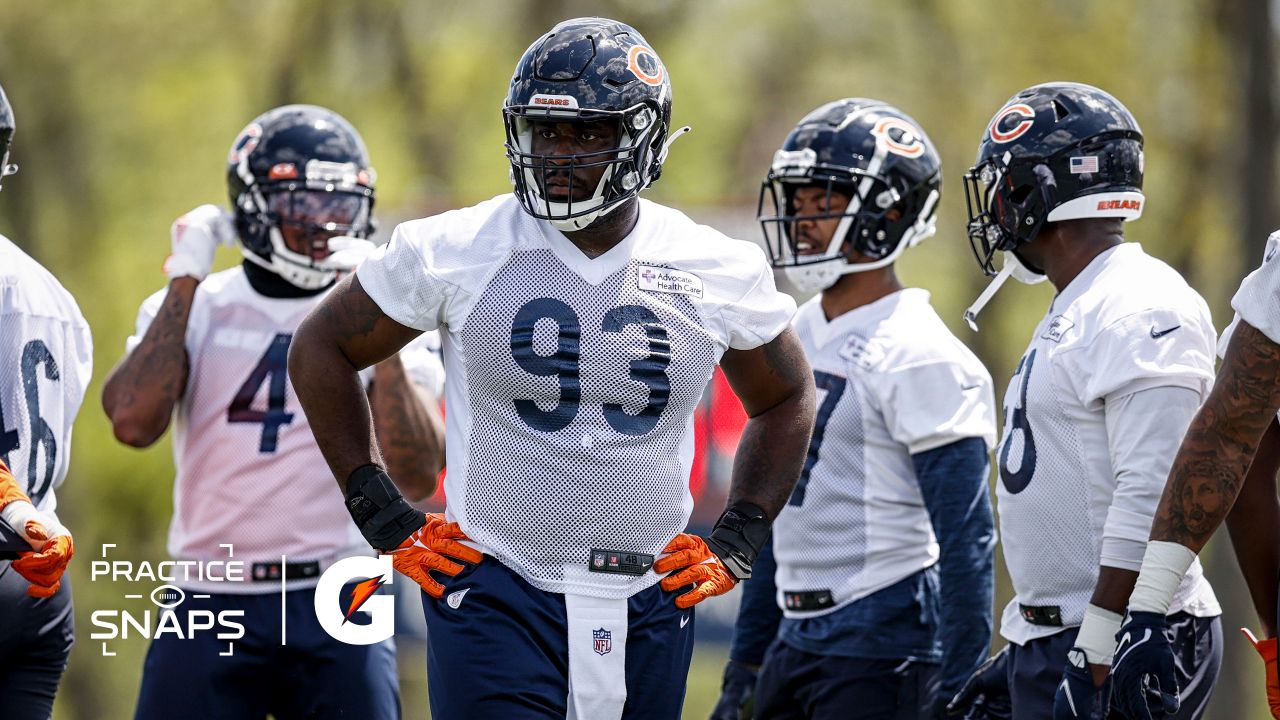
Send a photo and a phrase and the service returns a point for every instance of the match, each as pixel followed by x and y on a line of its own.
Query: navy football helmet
pixel 306 168
pixel 6 136
pixel 584 70
pixel 870 152
pixel 1057 151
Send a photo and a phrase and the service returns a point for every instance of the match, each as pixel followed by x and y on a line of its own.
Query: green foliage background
pixel 126 109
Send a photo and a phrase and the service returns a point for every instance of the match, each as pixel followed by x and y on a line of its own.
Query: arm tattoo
pixel 410 432
pixel 1210 467
pixel 152 378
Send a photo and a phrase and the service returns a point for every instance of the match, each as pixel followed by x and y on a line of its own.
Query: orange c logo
pixel 907 144
pixel 633 64
pixel 1021 110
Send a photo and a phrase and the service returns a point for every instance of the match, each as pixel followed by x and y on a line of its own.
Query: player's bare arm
pixel 344 334
pixel 1254 524
pixel 409 428
pixel 141 392
pixel 1209 469
pixel 776 387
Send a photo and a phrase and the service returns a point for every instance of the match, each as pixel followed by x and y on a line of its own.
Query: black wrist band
pixel 738 536
pixel 378 509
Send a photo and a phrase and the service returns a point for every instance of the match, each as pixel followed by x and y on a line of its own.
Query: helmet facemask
pixel 878 223
pixel 628 167
pixel 295 217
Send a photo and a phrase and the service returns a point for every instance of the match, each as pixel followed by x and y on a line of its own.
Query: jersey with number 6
pixel 1127 323
pixel 573 381
pixel 892 382
pixel 249 472
pixel 47 355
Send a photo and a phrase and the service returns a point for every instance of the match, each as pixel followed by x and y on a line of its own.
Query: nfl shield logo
pixel 597 560
pixel 604 642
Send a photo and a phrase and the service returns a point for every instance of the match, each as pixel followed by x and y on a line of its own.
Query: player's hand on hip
pixel 194 238
pixel 1074 697
pixel 1267 649
pixel 1144 684
pixel 429 548
pixel 691 562
pixel 737 693
pixel 985 695
pixel 52 547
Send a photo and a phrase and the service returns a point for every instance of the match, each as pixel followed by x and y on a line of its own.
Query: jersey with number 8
pixel 572 381
pixel 245 456
pixel 1128 322
pixel 47 354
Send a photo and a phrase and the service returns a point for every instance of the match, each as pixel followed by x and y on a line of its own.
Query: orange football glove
pixel 44 569
pixel 54 547
pixel 691 562
pixel 425 550
pixel 1267 649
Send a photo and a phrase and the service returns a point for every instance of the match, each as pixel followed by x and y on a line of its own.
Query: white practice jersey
pixel 573 381
pixel 47 355
pixel 892 382
pixel 1258 299
pixel 249 472
pixel 1126 324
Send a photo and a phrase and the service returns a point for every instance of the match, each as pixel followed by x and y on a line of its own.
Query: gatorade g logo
pixel 333 611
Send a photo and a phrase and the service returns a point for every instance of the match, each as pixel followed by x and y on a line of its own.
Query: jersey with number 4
pixel 47 357
pixel 249 472
pixel 1128 322
pixel 892 382
pixel 572 380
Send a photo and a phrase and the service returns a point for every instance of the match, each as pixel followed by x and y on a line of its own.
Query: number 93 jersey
pixel 1074 492
pixel 572 381
pixel 47 359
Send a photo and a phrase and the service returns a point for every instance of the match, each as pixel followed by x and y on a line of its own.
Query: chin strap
pixel 971 314
pixel 666 146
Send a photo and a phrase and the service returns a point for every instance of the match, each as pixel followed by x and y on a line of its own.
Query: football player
pixel 47 353
pixel 210 351
pixel 1099 400
pixel 580 326
pixel 1225 468
pixel 884 552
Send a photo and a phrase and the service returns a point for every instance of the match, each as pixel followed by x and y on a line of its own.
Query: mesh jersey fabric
pixel 571 380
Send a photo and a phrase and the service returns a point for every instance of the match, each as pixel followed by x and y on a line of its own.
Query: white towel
pixel 597 657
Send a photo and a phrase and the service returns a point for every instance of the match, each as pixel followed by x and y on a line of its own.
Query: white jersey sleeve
pixel 47 351
pixel 933 404
pixel 751 310
pixel 1144 430
pixel 417 276
pixel 1258 299
pixel 1157 347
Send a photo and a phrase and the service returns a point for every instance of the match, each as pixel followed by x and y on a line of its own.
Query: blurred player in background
pixel 885 550
pixel 1225 468
pixel 580 327
pixel 47 355
pixel 1104 392
pixel 211 351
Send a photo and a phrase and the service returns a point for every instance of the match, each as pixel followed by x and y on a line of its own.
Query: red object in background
pixel 717 426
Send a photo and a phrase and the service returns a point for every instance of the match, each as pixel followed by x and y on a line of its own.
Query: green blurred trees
pixel 126 111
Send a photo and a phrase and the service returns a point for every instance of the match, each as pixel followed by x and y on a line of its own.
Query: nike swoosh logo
pixel 684 621
pixel 1161 333
pixel 1066 688
pixel 1126 646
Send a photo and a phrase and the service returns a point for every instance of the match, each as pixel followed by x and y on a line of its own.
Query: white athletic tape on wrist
pixel 1163 567
pixel 176 266
pixel 19 512
pixel 1097 636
